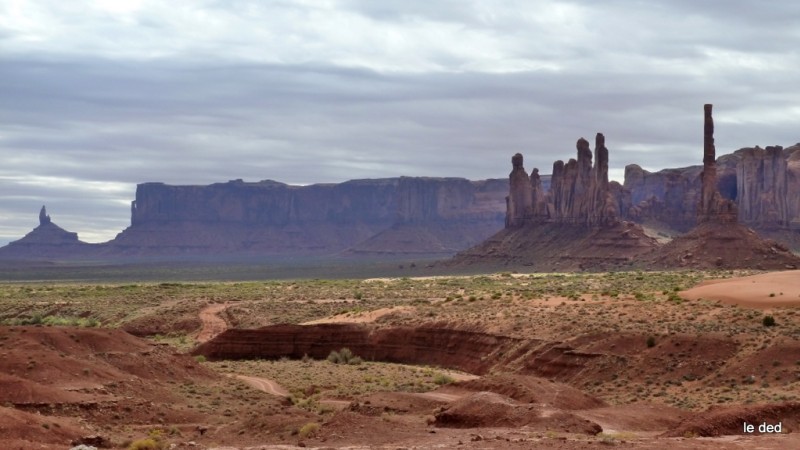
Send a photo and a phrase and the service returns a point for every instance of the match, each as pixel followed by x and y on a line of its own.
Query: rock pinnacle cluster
pixel 579 192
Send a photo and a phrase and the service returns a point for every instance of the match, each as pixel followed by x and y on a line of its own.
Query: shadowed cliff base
pixel 722 246
pixel 555 247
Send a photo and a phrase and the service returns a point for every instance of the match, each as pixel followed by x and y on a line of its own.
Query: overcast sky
pixel 98 96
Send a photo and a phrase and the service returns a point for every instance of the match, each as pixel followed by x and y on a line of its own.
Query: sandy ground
pixel 212 323
pixel 264 385
pixel 363 317
pixel 767 290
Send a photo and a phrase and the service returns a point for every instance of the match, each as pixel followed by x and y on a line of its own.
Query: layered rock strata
pixel 381 216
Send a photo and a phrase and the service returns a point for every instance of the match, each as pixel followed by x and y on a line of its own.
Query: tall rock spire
pixel 712 207
pixel 519 203
pixel 43 217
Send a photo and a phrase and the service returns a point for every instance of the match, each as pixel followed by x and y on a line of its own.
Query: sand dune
pixel 767 290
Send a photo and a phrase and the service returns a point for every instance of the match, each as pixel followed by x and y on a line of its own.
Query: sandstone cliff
pixel 763 183
pixel 382 216
pixel 719 240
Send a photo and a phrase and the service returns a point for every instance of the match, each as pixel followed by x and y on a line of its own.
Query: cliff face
pixel 719 240
pixel 762 181
pixel 266 203
pixel 763 184
pixel 396 215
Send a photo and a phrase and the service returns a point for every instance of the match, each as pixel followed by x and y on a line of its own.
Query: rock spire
pixel 579 192
pixel 44 219
pixel 712 206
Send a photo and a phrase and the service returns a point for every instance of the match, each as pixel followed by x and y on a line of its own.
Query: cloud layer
pixel 99 96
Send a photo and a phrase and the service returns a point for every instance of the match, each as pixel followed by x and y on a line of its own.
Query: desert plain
pixel 629 359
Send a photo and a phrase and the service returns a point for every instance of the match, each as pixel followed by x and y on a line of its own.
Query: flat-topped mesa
pixel 712 206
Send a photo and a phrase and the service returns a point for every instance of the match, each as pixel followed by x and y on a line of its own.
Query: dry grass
pixel 325 380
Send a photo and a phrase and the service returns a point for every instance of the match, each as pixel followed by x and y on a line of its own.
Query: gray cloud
pixel 202 93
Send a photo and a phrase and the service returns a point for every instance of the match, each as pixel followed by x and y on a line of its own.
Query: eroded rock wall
pixel 271 217
pixel 762 177
pixel 473 352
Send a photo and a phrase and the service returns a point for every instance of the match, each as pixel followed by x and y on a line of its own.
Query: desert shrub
pixel 308 430
pixel 442 379
pixel 344 356
pixel 334 357
pixel 651 342
pixel 768 321
pixel 200 358
pixel 146 444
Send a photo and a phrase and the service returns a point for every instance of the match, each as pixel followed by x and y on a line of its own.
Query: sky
pixel 98 96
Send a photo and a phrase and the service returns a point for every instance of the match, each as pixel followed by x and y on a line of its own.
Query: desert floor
pixel 589 360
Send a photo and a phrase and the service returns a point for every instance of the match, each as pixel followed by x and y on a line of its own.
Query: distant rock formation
pixel 519 203
pixel 43 217
pixel 380 216
pixel 406 215
pixel 47 240
pixel 718 240
pixel 669 196
pixel 579 194
pixel 762 182
pixel 712 206
pixel 574 226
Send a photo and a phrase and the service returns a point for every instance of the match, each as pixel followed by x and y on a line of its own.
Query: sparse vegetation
pixel 344 356
pixel 308 430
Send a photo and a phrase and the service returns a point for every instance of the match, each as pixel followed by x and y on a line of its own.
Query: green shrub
pixel 768 321
pixel 334 357
pixel 442 379
pixel 344 356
